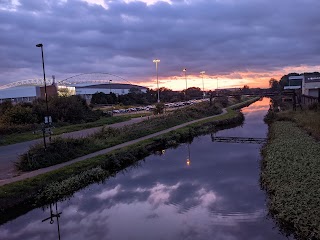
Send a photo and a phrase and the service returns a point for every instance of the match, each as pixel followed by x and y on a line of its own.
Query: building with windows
pixel 309 83
pixel 116 88
pixel 30 93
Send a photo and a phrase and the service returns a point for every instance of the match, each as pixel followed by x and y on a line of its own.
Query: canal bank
pixel 290 172
pixel 199 190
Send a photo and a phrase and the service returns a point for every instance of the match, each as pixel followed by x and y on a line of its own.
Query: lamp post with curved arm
pixel 185 76
pixel 47 120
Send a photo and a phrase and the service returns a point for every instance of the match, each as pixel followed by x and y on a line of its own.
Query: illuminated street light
pixel 185 75
pixel 202 72
pixel 156 61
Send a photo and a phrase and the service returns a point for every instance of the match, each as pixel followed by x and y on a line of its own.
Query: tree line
pixel 137 97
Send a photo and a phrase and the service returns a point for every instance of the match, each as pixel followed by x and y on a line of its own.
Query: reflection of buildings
pixel 53 217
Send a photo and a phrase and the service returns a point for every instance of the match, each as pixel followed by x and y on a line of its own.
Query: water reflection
pixel 189 157
pixel 216 197
pixel 54 217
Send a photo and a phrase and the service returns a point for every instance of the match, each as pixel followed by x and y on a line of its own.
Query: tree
pixel 18 115
pixel 135 90
pixel 274 85
pixel 193 93
pixel 159 108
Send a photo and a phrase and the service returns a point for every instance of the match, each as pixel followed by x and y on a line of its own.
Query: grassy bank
pixel 290 172
pixel 309 120
pixel 20 197
pixel 62 150
pixel 27 136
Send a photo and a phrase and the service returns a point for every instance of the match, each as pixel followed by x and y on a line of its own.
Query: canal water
pixel 198 191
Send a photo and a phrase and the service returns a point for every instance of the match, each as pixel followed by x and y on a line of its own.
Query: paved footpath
pixel 101 152
pixel 9 154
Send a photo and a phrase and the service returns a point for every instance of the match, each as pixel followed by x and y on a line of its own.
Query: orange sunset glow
pixel 233 80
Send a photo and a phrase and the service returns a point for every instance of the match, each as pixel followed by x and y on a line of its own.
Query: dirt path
pixel 101 152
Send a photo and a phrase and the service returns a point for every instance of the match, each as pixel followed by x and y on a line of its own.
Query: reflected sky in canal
pixel 215 196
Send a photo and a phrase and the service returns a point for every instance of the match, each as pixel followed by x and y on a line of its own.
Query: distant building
pixel 116 88
pixel 20 94
pixel 309 83
pixel 30 93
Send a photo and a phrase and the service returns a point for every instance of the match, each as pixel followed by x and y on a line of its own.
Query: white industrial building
pixel 116 88
pixel 20 94
pixel 30 93
pixel 309 84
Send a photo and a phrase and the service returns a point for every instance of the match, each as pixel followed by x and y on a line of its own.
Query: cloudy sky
pixel 235 41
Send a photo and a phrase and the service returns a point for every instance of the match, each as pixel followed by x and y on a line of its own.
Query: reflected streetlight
pixel 156 61
pixel 53 215
pixel 202 72
pixel 185 76
pixel 189 158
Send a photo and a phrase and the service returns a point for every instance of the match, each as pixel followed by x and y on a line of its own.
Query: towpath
pixel 9 154
pixel 101 152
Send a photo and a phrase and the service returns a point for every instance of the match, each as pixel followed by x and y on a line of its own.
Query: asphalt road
pixel 9 154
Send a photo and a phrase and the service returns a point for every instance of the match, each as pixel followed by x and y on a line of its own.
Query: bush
pixel 314 107
pixel 18 115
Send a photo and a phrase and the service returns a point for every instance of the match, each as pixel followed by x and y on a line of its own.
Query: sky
pixel 236 42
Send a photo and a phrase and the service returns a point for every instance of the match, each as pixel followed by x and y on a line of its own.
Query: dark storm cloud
pixel 220 36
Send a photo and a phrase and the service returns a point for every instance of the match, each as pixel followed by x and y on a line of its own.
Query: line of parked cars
pixel 152 107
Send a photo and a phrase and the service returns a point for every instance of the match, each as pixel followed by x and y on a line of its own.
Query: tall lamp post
pixel 185 76
pixel 202 72
pixel 156 61
pixel 47 119
pixel 110 86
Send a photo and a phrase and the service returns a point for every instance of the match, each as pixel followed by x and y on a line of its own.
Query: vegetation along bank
pixel 20 197
pixel 290 171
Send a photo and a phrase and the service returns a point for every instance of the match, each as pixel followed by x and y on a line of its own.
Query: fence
pixel 308 100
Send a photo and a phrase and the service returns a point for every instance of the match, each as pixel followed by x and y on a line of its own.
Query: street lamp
pixel 47 119
pixel 110 86
pixel 156 61
pixel 185 76
pixel 203 72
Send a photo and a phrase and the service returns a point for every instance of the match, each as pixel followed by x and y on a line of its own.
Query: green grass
pixel 27 136
pixel 291 176
pixel 309 120
pixel 62 150
pixel 20 197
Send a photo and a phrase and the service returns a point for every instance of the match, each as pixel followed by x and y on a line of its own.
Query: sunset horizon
pixel 237 42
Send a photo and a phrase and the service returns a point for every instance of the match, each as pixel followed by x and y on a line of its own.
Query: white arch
pixel 28 82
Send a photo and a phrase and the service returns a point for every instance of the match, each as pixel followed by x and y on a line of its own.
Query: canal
pixel 198 191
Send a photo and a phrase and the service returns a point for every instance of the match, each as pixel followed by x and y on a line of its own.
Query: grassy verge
pixel 20 197
pixel 291 171
pixel 62 150
pixel 27 136
pixel 291 176
pixel 309 120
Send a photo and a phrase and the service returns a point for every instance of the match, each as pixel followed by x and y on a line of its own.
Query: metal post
pixel 46 96
pixel 185 76
pixel 156 61
pixel 203 72
pixel 110 86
